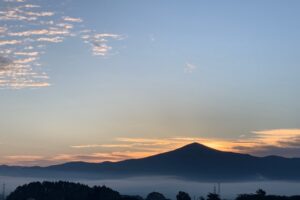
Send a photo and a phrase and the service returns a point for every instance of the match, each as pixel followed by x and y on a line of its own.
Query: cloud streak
pixel 25 32
pixel 9 42
pixel 99 43
pixel 284 142
pixel 72 19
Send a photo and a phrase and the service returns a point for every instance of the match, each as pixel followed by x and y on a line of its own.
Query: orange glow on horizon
pixel 132 148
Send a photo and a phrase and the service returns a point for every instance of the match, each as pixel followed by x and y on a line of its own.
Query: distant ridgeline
pixel 76 191
pixel 191 162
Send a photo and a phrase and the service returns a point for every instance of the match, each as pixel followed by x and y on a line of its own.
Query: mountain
pixel 194 162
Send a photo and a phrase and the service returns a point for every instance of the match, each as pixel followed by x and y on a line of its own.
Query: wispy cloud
pixel 2 29
pixel 72 19
pixel 99 42
pixel 22 44
pixel 26 30
pixel 38 14
pixel 4 63
pixel 48 32
pixel 285 142
pixel 189 67
pixel 96 157
pixel 50 39
pixel 9 42
pixel 35 53
pixel 101 145
pixel 23 157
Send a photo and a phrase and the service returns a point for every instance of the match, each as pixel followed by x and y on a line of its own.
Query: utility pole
pixel 3 191
pixel 214 189
pixel 219 189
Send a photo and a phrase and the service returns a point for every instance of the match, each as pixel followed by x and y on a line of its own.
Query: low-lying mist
pixel 169 186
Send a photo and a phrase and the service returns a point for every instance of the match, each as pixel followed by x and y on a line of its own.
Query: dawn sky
pixel 109 80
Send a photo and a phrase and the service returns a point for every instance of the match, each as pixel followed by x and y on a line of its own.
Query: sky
pixel 110 80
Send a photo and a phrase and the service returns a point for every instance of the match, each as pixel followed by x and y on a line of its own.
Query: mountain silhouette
pixel 193 162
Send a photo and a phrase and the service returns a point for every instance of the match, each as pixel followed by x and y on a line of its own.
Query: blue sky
pixel 118 79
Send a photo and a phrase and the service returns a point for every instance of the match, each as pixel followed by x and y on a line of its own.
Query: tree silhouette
pixel 213 196
pixel 62 191
pixel 183 196
pixel 261 193
pixel 155 196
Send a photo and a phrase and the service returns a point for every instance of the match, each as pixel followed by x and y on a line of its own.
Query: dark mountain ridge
pixel 194 162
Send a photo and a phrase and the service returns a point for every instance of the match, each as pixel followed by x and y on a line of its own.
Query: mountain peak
pixel 195 149
pixel 197 146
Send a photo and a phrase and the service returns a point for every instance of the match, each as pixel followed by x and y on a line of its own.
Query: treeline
pixel 261 195
pixel 75 191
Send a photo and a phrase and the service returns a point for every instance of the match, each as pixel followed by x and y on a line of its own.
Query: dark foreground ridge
pixel 75 191
pixel 193 162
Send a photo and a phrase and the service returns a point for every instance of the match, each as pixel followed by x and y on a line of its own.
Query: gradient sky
pixel 108 80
